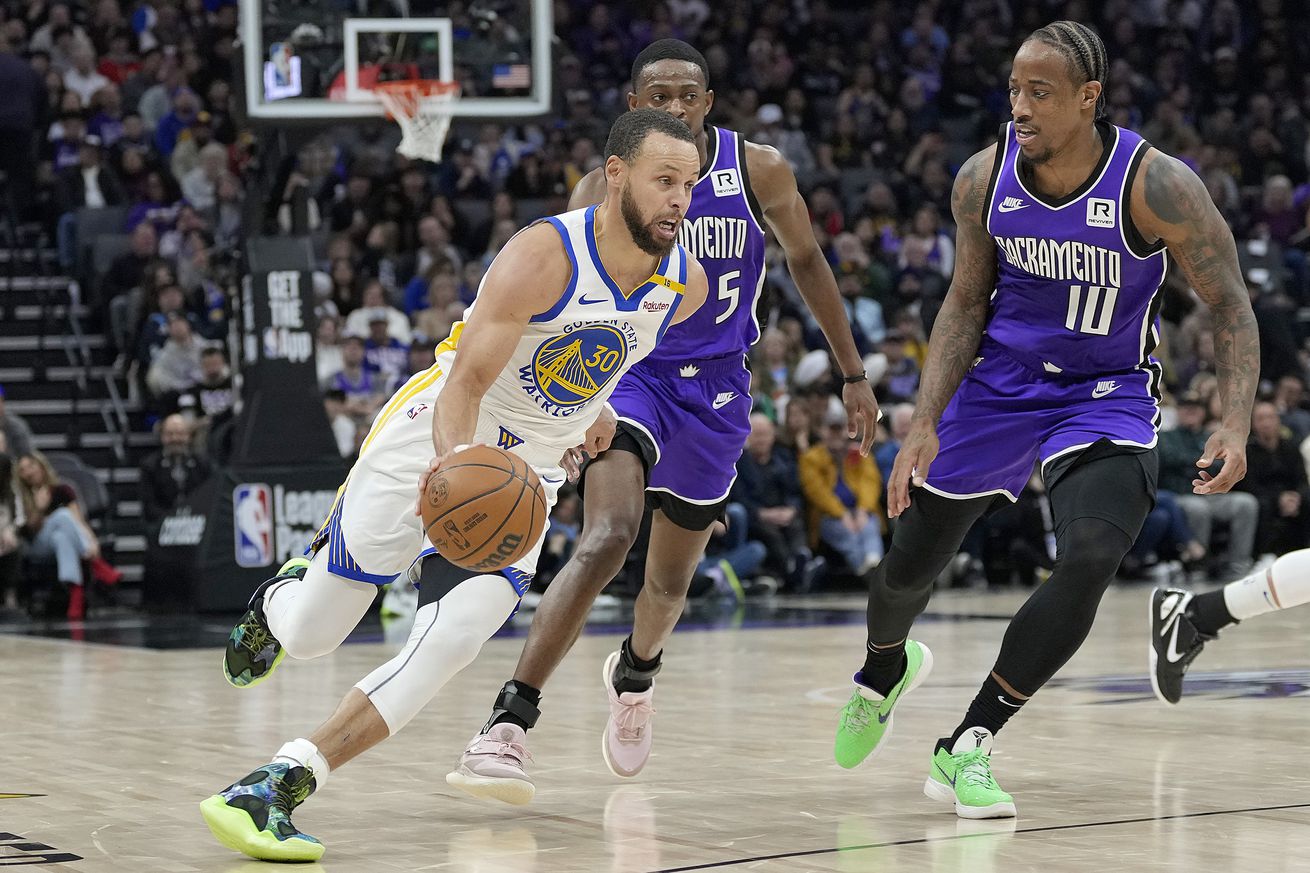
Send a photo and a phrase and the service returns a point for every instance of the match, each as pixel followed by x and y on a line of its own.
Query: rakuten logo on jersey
pixel 654 306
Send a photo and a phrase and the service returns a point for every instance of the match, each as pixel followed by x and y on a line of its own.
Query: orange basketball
pixel 484 509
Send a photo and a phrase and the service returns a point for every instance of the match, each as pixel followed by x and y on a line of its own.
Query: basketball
pixel 484 509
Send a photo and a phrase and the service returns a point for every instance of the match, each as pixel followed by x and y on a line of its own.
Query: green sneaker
pixel 252 651
pixel 963 776
pixel 253 816
pixel 866 720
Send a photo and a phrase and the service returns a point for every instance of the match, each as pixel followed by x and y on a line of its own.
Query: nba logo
pixel 252 525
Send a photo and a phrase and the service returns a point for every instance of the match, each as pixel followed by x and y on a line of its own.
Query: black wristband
pixel 855 380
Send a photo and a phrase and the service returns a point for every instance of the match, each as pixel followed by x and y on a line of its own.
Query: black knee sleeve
pixel 1051 626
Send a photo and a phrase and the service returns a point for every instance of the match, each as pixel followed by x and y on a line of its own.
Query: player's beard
pixel 639 230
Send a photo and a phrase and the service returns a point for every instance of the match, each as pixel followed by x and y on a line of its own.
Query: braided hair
pixel 1083 52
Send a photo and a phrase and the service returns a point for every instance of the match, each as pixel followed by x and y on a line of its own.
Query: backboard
pixel 313 60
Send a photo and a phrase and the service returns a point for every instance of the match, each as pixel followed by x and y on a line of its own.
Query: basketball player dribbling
pixel 1042 352
pixel 684 415
pixel 601 285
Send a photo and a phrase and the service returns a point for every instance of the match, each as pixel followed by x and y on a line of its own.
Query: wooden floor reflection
pixel 121 743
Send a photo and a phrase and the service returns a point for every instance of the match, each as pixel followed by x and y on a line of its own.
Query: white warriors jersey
pixel 570 358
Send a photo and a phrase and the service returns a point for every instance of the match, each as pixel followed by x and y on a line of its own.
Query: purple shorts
pixel 1006 416
pixel 696 416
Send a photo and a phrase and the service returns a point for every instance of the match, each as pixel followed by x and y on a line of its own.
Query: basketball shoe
pixel 962 775
pixel 253 816
pixel 1175 642
pixel 866 719
pixel 628 737
pixel 252 651
pixel 493 766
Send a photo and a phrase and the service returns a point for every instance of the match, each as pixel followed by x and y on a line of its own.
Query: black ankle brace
pixel 516 702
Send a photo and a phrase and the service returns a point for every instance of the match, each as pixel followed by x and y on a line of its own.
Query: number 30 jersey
pixel 570 358
pixel 1077 285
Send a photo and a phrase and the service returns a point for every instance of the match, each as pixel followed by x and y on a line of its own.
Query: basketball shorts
pixel 1006 416
pixel 372 534
pixel 691 421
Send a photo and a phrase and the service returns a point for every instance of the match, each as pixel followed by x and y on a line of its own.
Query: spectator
pixel 843 490
pixel 374 299
pixel 54 526
pixel 362 385
pixel 382 352
pixel 177 366
pixel 731 556
pixel 885 454
pixel 90 183
pixel 83 79
pixel 1179 449
pixel 443 310
pixel 900 382
pixel 1276 476
pixel 9 541
pixel 186 156
pixel 200 185
pixel 174 472
pixel 20 111
pixel 327 349
pixel 1289 397
pixel 214 393
pixel 186 109
pixel 17 434
pixel 343 425
pixel 768 490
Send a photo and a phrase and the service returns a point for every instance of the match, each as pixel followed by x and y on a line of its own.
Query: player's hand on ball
pixel 862 413
pixel 1225 445
pixel 433 466
pixel 911 466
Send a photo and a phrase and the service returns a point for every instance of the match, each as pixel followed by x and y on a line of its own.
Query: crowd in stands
pixel 875 105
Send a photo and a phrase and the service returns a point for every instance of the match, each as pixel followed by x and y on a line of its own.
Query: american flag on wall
pixel 511 76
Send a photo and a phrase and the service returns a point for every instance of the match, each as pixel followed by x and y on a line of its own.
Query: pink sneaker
pixel 492 766
pixel 627 740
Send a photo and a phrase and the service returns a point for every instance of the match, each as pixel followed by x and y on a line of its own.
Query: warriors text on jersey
pixel 1076 284
pixel 570 359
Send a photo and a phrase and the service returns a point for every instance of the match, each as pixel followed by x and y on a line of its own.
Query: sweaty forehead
pixel 670 72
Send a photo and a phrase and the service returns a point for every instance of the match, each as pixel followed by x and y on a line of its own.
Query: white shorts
pixel 372 534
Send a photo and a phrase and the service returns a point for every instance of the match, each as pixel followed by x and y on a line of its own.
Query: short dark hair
pixel 1083 51
pixel 669 50
pixel 631 129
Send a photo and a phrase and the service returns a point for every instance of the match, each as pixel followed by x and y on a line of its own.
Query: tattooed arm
pixel 1170 203
pixel 957 330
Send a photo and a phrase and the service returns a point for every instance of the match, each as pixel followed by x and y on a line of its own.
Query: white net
pixel 422 108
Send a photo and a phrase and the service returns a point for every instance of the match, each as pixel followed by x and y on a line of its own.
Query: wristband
pixel 855 380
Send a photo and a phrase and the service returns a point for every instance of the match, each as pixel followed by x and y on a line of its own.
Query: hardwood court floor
pixel 122 743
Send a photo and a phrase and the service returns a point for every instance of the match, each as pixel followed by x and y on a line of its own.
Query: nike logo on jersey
pixel 1010 204
pixel 724 399
pixel 587 301
pixel 1104 388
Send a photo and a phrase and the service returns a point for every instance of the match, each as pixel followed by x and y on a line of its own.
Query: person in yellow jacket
pixel 843 492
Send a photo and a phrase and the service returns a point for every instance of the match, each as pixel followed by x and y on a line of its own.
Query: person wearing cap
pixel 363 386
pixel 1179 447
pixel 177 366
pixel 90 183
pixel 383 352
pixel 374 298
pixel 186 157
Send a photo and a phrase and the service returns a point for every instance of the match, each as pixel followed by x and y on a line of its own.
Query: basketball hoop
pixel 422 108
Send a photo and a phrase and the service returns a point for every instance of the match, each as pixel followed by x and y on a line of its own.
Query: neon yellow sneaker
pixel 253 816
pixel 252 652
pixel 866 719
pixel 963 776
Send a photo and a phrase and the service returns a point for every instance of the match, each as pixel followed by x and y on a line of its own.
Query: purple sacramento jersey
pixel 691 397
pixel 1065 360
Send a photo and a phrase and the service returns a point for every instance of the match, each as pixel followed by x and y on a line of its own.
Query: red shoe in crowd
pixel 104 572
pixel 76 603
